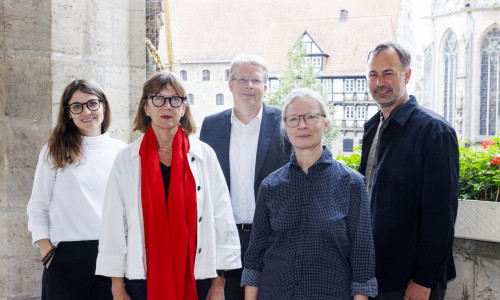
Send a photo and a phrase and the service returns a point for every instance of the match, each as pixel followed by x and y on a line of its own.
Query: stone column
pixel 44 45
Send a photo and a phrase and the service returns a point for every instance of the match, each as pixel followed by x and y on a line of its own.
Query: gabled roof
pixel 314 42
pixel 213 31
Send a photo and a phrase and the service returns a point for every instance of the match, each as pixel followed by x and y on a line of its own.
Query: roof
pixel 214 31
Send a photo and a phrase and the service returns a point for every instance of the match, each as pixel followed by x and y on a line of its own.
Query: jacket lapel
pixel 267 128
pixel 222 147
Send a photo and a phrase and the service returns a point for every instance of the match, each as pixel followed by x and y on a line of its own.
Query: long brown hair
pixel 154 85
pixel 65 141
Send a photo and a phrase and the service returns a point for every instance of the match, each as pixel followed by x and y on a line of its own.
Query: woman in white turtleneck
pixel 65 208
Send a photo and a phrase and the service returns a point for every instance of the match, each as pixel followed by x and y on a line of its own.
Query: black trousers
pixel 437 293
pixel 136 289
pixel 232 289
pixel 71 274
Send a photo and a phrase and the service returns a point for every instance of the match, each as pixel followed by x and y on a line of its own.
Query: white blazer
pixel 121 245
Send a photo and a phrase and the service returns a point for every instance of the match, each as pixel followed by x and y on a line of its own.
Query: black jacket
pixel 414 197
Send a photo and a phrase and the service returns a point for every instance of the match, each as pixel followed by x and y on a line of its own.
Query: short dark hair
pixel 404 55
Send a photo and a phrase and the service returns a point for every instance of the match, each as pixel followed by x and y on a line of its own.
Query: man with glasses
pixel 249 145
pixel 410 162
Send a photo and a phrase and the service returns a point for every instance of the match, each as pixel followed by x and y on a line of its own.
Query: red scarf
pixel 170 237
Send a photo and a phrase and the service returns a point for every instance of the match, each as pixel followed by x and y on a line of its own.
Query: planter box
pixel 478 220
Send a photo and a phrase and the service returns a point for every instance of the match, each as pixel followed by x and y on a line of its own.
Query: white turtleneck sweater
pixel 66 205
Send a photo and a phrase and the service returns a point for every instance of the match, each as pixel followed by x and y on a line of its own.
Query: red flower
pixel 495 161
pixel 488 143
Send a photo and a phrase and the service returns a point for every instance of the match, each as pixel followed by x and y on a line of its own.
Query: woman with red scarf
pixel 167 217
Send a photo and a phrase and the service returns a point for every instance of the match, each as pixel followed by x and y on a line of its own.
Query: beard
pixel 387 100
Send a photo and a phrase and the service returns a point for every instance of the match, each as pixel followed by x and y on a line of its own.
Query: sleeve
pixel 261 230
pixel 203 130
pixel 438 207
pixel 111 259
pixel 41 195
pixel 227 241
pixel 359 232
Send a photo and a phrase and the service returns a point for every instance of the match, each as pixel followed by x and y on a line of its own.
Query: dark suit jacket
pixel 273 151
pixel 414 197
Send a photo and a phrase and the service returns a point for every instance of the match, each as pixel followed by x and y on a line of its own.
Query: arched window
pixel 428 81
pixel 184 75
pixel 191 99
pixel 219 99
pixel 490 76
pixel 227 74
pixel 205 75
pixel 450 76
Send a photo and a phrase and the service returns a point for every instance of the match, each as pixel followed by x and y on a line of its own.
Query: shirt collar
pixel 325 158
pixel 259 115
pixel 404 110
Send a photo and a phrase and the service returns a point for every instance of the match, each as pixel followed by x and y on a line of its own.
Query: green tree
pixel 299 73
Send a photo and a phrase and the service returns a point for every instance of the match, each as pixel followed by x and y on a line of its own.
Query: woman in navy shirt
pixel 311 235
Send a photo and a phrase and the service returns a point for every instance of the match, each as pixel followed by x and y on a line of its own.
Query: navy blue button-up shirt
pixel 311 235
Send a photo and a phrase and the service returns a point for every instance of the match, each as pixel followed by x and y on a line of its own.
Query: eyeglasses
pixel 159 100
pixel 77 108
pixel 311 119
pixel 244 80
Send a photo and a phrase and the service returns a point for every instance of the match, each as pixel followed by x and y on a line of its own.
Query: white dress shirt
pixel 121 246
pixel 242 157
pixel 66 205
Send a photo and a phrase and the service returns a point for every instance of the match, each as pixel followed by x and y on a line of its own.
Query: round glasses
pixel 77 107
pixel 310 119
pixel 159 100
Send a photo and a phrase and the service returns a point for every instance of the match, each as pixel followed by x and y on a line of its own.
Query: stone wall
pixel 43 46
pixel 470 25
pixel 478 271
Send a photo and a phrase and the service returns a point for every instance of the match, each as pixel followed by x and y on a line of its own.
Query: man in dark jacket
pixel 410 161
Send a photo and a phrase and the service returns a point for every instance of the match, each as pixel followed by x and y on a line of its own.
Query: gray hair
pixel 250 59
pixel 404 55
pixel 307 93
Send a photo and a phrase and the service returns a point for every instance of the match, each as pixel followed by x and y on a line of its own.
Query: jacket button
pixel 199 220
pixel 199 188
pixel 199 250
pixel 192 158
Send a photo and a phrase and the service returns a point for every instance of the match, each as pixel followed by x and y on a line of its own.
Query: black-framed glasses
pixel 159 100
pixel 77 107
pixel 310 118
pixel 244 80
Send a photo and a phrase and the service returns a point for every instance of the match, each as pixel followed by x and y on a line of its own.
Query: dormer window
pixel 314 53
pixel 343 16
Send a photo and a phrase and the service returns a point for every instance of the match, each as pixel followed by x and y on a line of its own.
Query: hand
pixel 216 291
pixel 48 263
pixel 118 289
pixel 45 246
pixel 415 291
